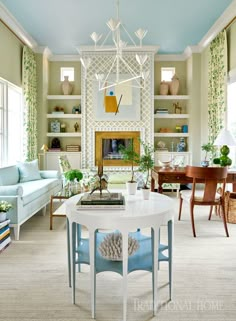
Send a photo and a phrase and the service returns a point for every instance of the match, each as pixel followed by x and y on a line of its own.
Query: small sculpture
pixel 55 143
pixel 76 126
pixel 177 108
pixel 101 181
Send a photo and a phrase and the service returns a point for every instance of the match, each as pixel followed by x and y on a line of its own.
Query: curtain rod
pixel 230 23
pixel 13 32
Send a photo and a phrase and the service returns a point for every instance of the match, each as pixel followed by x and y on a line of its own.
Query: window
pixel 167 73
pixel 67 71
pixel 231 118
pixel 11 123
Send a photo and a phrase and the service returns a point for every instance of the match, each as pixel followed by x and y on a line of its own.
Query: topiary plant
pixel 129 155
pixel 223 160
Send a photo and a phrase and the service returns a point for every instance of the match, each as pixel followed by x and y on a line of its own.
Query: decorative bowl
pixel 165 164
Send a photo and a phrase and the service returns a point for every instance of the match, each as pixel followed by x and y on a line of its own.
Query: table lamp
pixel 44 148
pixel 224 139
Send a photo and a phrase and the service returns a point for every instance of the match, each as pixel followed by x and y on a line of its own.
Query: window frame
pixel 167 69
pixel 5 86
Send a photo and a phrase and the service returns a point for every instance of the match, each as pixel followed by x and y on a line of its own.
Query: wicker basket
pixel 230 207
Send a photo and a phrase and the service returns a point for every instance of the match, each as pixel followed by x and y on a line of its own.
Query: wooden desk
pixel 171 175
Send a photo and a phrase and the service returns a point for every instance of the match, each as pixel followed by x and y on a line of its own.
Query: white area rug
pixel 34 280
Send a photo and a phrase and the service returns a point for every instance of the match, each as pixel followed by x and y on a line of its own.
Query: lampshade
pixel 44 148
pixel 225 138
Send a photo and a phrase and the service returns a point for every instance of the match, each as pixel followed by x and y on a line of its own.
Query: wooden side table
pixel 54 197
pixel 62 195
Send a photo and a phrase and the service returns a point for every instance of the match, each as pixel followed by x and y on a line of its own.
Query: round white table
pixel 138 213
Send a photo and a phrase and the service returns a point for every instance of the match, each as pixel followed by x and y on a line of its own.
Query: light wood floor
pixel 33 277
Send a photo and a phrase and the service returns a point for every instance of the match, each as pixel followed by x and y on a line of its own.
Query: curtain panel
pixel 29 80
pixel 217 85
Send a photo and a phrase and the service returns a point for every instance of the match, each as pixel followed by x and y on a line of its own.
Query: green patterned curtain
pixel 30 104
pixel 217 85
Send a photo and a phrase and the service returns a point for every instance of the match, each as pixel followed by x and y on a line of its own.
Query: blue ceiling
pixel 62 25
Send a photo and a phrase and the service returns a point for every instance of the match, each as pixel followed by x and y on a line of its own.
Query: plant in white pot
pixel 207 148
pixel 130 156
pixel 4 208
pixel 146 164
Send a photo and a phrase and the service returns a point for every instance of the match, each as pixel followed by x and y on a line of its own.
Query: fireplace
pixel 107 144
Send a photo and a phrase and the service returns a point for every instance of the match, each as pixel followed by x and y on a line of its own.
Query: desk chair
pixel 210 176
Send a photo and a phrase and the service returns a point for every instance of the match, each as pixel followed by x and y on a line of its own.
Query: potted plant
pixel 4 208
pixel 130 156
pixel 208 148
pixel 146 163
pixel 73 176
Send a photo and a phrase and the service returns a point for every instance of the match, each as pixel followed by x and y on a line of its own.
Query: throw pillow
pixel 29 171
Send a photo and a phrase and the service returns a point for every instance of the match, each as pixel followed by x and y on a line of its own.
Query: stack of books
pixel 103 201
pixel 162 111
pixel 73 148
pixel 5 238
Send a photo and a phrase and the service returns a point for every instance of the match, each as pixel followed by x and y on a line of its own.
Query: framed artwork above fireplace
pixel 127 98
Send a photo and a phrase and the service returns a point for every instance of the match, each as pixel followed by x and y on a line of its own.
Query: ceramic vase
pixel 164 88
pixel 131 188
pixel 3 216
pixel 174 85
pixel 146 193
pixel 66 86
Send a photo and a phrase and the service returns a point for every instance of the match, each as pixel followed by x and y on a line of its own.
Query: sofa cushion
pixel 9 175
pixel 29 171
pixel 33 189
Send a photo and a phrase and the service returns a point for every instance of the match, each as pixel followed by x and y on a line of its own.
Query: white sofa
pixel 29 194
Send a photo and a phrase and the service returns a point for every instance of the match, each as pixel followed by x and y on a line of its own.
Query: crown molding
pixel 16 27
pixel 219 25
pixel 44 51
pixel 64 58
pixel 170 57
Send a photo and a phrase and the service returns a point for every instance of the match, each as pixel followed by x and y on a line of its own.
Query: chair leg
pixel 180 207
pixel 192 219
pixel 224 220
pixel 211 209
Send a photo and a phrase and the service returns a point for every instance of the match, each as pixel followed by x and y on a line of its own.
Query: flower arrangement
pixel 5 206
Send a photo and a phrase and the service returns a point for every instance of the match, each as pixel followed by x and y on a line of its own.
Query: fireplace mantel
pixel 118 133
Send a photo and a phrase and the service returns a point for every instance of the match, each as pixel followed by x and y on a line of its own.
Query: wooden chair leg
pixel 192 219
pixel 180 207
pixel 211 209
pixel 224 220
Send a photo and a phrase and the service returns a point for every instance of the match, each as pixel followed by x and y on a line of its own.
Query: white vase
pixel 146 193
pixel 66 86
pixel 174 85
pixel 131 188
pixel 3 216
pixel 164 88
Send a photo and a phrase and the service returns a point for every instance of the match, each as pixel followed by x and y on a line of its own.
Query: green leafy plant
pixel 223 160
pixel 208 148
pixel 73 174
pixel 129 155
pixel 5 206
pixel 146 162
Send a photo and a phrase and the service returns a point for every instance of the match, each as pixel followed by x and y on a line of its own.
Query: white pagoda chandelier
pixel 112 75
